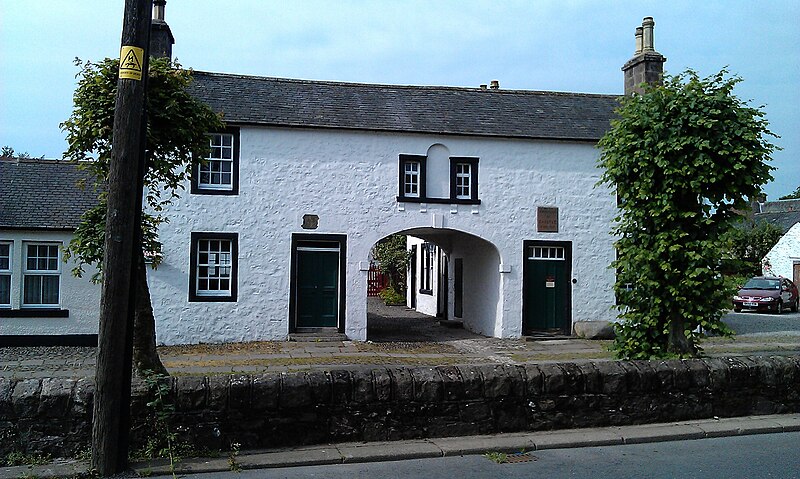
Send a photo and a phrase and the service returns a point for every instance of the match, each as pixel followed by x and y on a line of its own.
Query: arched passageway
pixel 452 280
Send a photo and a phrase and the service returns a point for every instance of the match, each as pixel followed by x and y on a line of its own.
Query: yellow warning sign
pixel 130 63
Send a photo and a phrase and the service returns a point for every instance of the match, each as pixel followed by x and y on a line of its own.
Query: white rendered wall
pixel 781 258
pixel 426 303
pixel 349 179
pixel 78 295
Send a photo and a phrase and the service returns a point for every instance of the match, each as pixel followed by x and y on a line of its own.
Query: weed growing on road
pixel 233 464
pixel 498 457
pixel 17 458
pixel 162 442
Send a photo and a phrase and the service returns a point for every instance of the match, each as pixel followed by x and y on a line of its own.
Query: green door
pixel 546 290
pixel 317 288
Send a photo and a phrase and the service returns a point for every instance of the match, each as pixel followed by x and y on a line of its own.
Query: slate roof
pixel 782 213
pixel 42 194
pixel 413 109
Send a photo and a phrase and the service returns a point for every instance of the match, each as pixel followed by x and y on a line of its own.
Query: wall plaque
pixel 310 222
pixel 547 220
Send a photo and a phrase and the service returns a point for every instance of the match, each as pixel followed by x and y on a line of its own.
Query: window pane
pixel 50 289
pixel 226 166
pixel 227 154
pixel 5 249
pixel 32 287
pixel 5 263
pixel 5 289
pixel 227 140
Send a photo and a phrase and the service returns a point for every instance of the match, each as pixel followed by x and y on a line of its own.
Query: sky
pixel 559 45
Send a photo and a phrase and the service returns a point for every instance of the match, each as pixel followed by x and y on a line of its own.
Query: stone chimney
pixel 161 39
pixel 647 65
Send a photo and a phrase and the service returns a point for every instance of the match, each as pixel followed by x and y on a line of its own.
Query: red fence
pixel 376 281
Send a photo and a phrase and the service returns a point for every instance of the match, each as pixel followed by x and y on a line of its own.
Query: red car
pixel 767 293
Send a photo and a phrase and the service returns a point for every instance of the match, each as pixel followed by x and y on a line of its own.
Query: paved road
pixel 759 323
pixel 758 456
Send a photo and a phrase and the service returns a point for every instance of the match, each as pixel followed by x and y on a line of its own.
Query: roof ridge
pixel 16 159
pixel 406 87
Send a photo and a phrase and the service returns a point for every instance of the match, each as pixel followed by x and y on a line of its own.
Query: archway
pixel 452 289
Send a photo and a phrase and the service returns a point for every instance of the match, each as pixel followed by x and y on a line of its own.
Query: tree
pixel 795 195
pixel 746 245
pixel 392 256
pixel 682 158
pixel 177 128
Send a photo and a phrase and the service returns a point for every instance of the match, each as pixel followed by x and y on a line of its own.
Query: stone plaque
pixel 310 222
pixel 547 220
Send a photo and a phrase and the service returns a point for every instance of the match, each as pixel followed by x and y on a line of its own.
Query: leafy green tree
pixel 392 256
pixel 795 195
pixel 177 128
pixel 682 158
pixel 746 245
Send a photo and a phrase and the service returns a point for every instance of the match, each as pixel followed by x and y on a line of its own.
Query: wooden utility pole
pixel 111 421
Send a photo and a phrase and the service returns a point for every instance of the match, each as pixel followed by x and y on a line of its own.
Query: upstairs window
pixel 412 177
pixel 464 179
pixel 41 275
pixel 213 274
pixel 5 275
pixel 218 173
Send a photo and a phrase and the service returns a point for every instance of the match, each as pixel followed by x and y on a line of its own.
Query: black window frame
pixel 195 176
pixel 426 278
pixel 401 193
pixel 473 186
pixel 197 236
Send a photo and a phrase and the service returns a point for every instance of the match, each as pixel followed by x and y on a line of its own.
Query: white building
pixel 274 232
pixel 784 258
pixel 41 302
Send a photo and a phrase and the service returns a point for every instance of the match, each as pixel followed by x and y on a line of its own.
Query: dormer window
pixel 218 173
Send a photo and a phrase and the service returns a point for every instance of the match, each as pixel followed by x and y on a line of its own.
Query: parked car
pixel 767 293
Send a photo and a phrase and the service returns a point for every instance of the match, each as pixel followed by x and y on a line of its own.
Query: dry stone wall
pixel 54 415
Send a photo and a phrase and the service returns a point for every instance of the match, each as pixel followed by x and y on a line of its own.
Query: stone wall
pixel 53 415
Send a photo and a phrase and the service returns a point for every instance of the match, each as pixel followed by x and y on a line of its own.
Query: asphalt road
pixel 760 323
pixel 757 456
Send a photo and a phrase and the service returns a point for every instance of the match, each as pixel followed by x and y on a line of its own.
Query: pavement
pixel 509 443
pixel 398 337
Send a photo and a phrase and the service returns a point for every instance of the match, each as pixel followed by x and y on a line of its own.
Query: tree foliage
pixel 745 246
pixel 681 158
pixel 177 128
pixel 392 256
pixel 795 195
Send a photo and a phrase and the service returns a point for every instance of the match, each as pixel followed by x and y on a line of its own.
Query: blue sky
pixel 535 44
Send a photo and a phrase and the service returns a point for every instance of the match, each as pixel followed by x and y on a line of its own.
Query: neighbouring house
pixel 784 258
pixel 497 190
pixel 41 302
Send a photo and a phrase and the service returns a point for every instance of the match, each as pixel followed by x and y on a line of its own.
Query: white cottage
pixel 498 186
pixel 41 302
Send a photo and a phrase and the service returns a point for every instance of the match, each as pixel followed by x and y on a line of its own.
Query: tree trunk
pixel 145 356
pixel 678 342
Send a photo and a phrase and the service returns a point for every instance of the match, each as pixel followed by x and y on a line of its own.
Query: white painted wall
pixel 781 258
pixel 349 179
pixel 78 295
pixel 426 303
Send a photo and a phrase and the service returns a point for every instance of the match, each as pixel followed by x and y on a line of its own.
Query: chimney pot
pixel 495 85
pixel 158 9
pixel 638 40
pixel 647 34
pixel 483 86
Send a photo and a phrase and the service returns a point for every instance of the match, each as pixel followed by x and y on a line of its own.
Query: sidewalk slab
pixel 790 423
pixel 577 438
pixel 757 425
pixel 467 445
pixel 388 451
pixel 311 456
pixel 660 432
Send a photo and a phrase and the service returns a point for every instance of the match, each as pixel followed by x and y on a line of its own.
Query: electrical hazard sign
pixel 130 63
